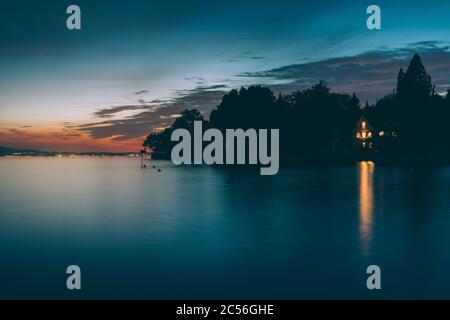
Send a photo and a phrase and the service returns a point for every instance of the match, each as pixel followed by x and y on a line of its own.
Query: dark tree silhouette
pixel 416 82
pixel 160 142
pixel 316 123
pixel 415 113
pixel 247 108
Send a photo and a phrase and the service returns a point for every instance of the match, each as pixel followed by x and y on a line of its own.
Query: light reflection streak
pixel 366 169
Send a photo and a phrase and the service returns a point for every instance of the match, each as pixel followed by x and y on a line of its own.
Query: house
pixel 363 134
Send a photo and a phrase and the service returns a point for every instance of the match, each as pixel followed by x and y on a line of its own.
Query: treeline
pixel 315 123
pixel 416 113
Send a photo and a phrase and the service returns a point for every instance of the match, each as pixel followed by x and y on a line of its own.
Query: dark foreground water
pixel 212 233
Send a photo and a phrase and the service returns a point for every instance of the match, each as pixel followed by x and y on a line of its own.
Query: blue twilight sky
pixel 136 64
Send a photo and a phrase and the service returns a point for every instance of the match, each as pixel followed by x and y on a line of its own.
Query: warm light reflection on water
pixel 366 169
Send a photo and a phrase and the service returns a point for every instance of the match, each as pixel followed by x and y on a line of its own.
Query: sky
pixel 134 65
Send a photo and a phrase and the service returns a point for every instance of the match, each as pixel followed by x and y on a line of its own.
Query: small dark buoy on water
pixel 159 170
pixel 145 166
pixel 153 166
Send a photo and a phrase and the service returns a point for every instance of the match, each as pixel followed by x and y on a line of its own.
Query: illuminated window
pixel 381 133
pixel 363 124
pixel 358 135
pixel 369 134
pixel 363 135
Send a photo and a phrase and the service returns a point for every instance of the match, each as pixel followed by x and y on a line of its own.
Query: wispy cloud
pixel 159 113
pixel 370 74
pixel 247 55
pixel 141 92
pixel 108 112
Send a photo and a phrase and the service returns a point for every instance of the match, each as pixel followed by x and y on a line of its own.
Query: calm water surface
pixel 212 233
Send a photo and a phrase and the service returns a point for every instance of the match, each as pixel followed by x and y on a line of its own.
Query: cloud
pixel 141 92
pixel 108 112
pixel 247 55
pixel 153 116
pixel 196 80
pixel 370 74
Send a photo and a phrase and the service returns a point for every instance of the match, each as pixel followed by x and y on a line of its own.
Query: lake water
pixel 202 232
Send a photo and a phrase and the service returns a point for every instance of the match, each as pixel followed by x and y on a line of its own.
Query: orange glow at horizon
pixel 65 141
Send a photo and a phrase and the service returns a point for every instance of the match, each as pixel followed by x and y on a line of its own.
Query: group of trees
pixel 160 142
pixel 316 121
pixel 415 112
